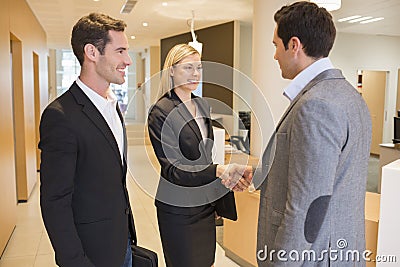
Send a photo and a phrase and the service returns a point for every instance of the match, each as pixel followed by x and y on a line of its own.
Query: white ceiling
pixel 58 17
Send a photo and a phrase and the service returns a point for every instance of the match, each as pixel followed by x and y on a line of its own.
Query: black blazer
pixel 83 195
pixel 188 181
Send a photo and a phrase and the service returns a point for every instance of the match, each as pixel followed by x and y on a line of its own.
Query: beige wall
pixel 17 19
pixel 398 92
pixel 7 180
pixel 154 70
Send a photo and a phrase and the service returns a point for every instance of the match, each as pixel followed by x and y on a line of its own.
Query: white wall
pixel 244 68
pixel 52 75
pixel 353 52
pixel 242 87
pixel 145 55
pixel 135 99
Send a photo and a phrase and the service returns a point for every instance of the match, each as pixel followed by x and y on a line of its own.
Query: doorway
pixel 36 92
pixel 398 94
pixel 18 118
pixel 372 85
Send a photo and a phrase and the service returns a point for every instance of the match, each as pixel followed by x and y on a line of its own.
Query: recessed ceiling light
pixel 133 37
pixel 371 20
pixel 128 6
pixel 359 19
pixel 145 24
pixel 349 18
pixel 96 0
pixel 164 4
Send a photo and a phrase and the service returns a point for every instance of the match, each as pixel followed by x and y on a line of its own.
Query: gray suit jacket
pixel 314 178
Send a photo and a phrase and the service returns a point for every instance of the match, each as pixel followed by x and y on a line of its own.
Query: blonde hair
pixel 175 55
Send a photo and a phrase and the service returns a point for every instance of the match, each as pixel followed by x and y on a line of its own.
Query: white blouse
pixel 201 123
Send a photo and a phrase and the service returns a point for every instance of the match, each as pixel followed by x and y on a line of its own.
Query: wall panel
pixel 33 39
pixel 17 18
pixel 8 201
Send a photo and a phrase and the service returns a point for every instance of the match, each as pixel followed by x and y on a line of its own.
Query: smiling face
pixel 186 74
pixel 112 64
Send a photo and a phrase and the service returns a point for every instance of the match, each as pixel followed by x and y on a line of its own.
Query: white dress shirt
pixel 108 109
pixel 201 123
pixel 305 76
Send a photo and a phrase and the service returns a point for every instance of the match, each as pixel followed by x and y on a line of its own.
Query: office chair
pixel 240 143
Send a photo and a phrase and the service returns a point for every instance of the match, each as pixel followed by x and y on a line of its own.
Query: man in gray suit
pixel 312 199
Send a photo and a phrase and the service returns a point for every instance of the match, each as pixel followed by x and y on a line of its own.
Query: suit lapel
pixel 95 116
pixel 205 112
pixel 125 149
pixel 269 152
pixel 188 118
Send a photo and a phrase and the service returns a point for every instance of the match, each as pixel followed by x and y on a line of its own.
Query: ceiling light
pixel 371 20
pixel 145 24
pixel 349 18
pixel 329 5
pixel 359 19
pixel 128 6
pixel 133 37
pixel 164 4
pixel 96 0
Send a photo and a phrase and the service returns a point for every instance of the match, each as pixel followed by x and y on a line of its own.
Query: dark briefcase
pixel 142 257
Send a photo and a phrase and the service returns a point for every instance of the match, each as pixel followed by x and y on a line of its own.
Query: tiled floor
pixel 29 245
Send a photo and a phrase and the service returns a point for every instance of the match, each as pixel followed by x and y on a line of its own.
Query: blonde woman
pixel 190 191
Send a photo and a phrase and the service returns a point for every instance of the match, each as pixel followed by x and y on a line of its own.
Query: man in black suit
pixel 83 196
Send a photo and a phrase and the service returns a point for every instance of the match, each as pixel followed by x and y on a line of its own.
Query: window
pixel 68 69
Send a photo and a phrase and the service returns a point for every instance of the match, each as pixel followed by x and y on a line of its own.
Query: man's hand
pixel 235 177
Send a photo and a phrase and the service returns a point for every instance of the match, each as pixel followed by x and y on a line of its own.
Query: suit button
pixel 127 211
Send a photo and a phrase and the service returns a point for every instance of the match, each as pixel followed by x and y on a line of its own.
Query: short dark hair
pixel 313 25
pixel 93 29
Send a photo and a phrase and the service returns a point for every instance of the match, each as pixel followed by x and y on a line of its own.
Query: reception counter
pixel 388 235
pixel 240 236
pixel 388 153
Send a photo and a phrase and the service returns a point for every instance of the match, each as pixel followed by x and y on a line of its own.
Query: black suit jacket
pixel 83 195
pixel 188 182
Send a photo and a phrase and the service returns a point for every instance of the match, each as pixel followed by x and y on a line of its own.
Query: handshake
pixel 235 177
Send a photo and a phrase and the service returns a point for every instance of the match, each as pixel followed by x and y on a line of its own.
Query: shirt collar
pixel 305 76
pixel 99 101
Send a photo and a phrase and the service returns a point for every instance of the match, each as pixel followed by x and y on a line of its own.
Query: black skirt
pixel 188 240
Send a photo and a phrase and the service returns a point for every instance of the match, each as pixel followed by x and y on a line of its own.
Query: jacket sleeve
pixel 165 143
pixel 58 146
